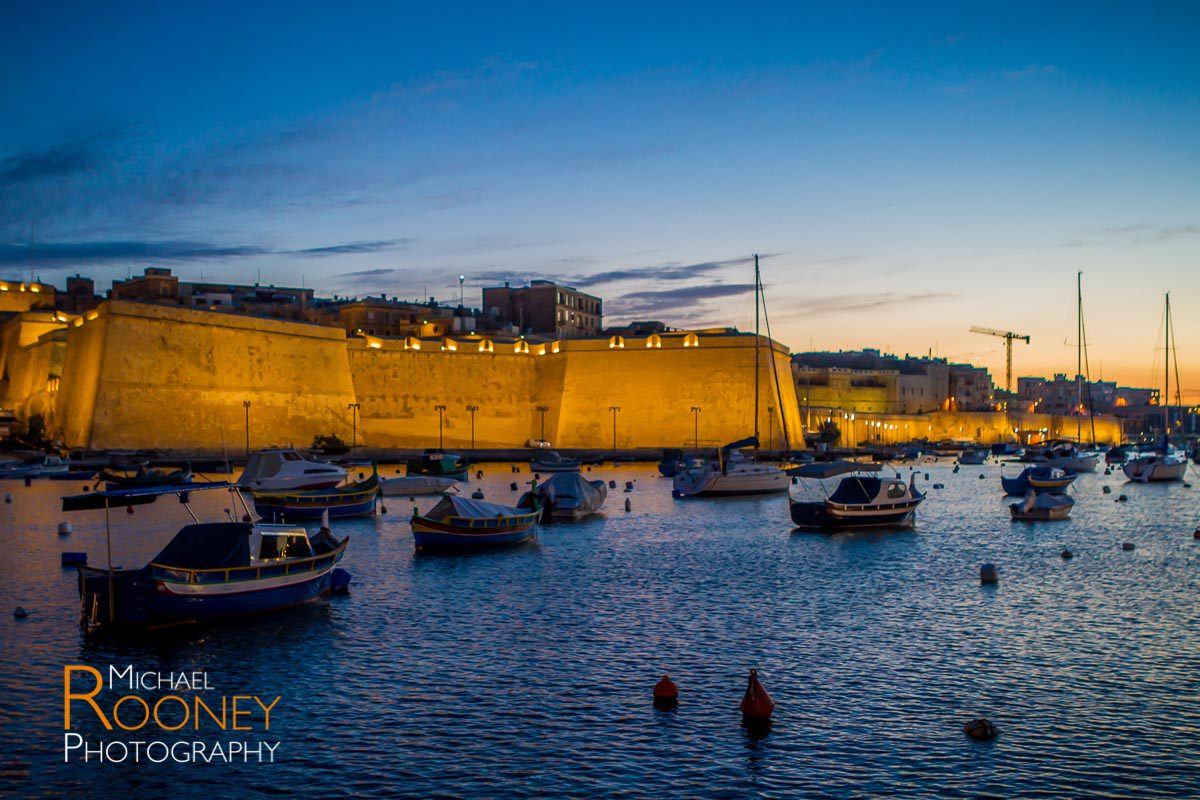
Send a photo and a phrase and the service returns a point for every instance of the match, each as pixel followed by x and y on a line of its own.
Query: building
pixel 155 284
pixel 159 285
pixel 25 296
pixel 1062 395
pixel 379 316
pixel 867 380
pixel 79 297
pixel 545 308
pixel 970 388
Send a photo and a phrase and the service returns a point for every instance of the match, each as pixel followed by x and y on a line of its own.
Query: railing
pixel 225 574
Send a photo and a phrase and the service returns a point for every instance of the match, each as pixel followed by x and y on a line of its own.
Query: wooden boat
pixel 566 497
pixel 288 471
pixel 351 500
pixel 1041 507
pixel 973 456
pixel 145 477
pixel 412 485
pixel 1043 480
pixel 551 461
pixel 207 572
pixel 859 501
pixel 457 523
pixel 439 464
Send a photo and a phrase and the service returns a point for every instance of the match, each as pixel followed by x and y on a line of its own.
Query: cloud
pixel 1153 233
pixel 367 273
pixel 675 301
pixel 1030 71
pixel 67 255
pixel 841 304
pixel 68 158
pixel 669 271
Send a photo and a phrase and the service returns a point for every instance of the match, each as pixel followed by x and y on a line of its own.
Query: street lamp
pixel 439 409
pixel 614 410
pixel 246 405
pixel 461 279
pixel 542 410
pixel 696 423
pixel 353 425
pixel 472 410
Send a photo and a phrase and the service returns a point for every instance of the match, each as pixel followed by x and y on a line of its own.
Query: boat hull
pixel 821 516
pixel 1147 471
pixel 1039 514
pixel 432 535
pixel 415 485
pixel 691 483
pixel 289 512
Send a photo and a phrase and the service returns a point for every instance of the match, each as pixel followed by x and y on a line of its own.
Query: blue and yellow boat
pixel 351 500
pixel 458 523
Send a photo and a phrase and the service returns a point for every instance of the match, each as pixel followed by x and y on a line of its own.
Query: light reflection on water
pixel 528 672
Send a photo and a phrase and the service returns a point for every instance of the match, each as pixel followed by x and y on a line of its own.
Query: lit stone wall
pixel 34 378
pixel 985 427
pixel 140 375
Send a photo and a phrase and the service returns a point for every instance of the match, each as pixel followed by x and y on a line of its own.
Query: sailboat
pixel 732 472
pixel 1080 460
pixel 1165 465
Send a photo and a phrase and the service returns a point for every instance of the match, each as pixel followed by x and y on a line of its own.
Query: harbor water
pixel 528 672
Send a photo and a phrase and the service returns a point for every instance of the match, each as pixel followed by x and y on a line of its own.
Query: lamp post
pixel 542 410
pixel 471 410
pixel 614 410
pixel 246 405
pixel 439 409
pixel 461 278
pixel 353 425
pixel 853 433
pixel 696 425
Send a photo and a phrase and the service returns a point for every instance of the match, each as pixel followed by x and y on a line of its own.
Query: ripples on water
pixel 527 673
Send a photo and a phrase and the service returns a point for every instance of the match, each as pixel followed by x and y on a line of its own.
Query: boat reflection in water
pixel 860 500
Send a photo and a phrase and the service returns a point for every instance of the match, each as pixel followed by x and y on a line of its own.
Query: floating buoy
pixel 1126 546
pixel 628 504
pixel 129 509
pixel 1066 553
pixel 1196 533
pixel 629 486
pixel 956 469
pixel 981 476
pixel 8 497
pixel 980 730
pixel 666 693
pixel 479 474
pixel 926 476
pixel 29 480
pixel 939 486
pixel 989 574
pixel 1107 490
pixel 74 559
pixel 339 581
pixel 795 479
pixel 512 486
pixel 1122 499
pixel 477 494
pixel 1187 486
pixel 612 484
pixel 757 705
pixel 21 613
pixel 64 528
pixel 1107 471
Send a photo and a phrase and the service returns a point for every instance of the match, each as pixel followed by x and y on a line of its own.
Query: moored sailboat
pixel 1166 465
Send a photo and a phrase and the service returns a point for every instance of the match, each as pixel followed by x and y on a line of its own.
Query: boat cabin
pixel 869 491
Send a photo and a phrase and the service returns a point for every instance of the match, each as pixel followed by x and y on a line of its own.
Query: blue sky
pixel 908 169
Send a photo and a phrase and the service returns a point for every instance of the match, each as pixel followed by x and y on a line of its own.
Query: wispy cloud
pixel 841 304
pixel 67 255
pixel 668 271
pixel 676 302
pixel 1139 233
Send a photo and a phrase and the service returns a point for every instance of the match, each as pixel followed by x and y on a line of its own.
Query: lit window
pixel 616 342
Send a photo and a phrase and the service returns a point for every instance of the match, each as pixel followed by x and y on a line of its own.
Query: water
pixel 528 673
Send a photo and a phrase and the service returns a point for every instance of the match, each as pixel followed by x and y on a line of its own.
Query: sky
pixel 905 171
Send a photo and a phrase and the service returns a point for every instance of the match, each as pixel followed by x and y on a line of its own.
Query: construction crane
pixel 1008 337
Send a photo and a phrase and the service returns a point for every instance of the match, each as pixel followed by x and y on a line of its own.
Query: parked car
pixel 539 444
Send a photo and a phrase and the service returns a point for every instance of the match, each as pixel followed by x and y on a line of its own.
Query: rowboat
pixel 439 464
pixel 859 501
pixel 566 497
pixel 207 572
pixel 1041 507
pixel 145 477
pixel 411 485
pixel 551 461
pixel 351 500
pixel 457 523
pixel 1043 480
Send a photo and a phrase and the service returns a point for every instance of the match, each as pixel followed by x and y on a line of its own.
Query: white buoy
pixel 64 528
pixel 989 574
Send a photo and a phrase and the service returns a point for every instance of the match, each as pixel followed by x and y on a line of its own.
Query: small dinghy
pixel 1042 507
pixel 973 457
pixel 566 497
pixel 439 465
pixel 551 461
pixel 859 501
pixel 1043 480
pixel 351 500
pixel 145 477
pixel 413 485
pixel 460 523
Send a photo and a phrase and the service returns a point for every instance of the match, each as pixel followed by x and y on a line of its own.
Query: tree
pixel 829 432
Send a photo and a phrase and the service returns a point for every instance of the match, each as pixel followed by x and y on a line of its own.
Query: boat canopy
pixel 212 545
pixel 590 494
pixel 749 441
pixel 831 469
pixel 453 505
pixel 137 496
pixel 856 491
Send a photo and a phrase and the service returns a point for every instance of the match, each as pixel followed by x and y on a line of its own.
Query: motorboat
pixel 1162 467
pixel 439 464
pixel 973 456
pixel 42 465
pixel 1041 480
pixel 1041 507
pixel 551 461
pixel 1062 454
pixel 566 497
pixel 668 464
pixel 861 499
pixel 145 476
pixel 352 500
pixel 287 471
pixel 413 485
pixel 1120 454
pixel 460 523
pixel 730 473
pixel 208 571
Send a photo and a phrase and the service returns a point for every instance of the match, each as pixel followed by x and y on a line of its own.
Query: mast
pixel 756 285
pixel 1078 355
pixel 1167 370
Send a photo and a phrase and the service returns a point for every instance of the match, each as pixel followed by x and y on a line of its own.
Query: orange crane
pixel 1008 337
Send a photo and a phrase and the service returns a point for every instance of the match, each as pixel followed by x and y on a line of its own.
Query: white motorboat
pixel 552 461
pixel 973 456
pixel 730 473
pixel 1041 507
pixel 287 470
pixel 1157 468
pixel 412 485
pixel 1063 454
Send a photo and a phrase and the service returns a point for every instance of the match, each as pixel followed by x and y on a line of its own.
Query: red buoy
pixel 128 509
pixel 757 705
pixel 666 693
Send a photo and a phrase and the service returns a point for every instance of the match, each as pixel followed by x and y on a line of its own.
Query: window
pixel 284 546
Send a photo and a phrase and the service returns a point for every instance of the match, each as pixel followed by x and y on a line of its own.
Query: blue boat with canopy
pixel 861 500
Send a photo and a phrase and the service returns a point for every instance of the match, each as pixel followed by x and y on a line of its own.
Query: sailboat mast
pixel 1078 356
pixel 756 285
pixel 1167 371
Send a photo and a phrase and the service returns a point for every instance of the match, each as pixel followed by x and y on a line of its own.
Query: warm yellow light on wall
pixel 486 346
pixel 450 344
pixel 412 343
pixel 554 347
pixel 93 314
pixel 616 342
pixel 654 341
pixel 521 346
pixel 691 340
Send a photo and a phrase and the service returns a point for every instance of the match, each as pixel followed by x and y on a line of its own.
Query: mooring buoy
pixel 757 705
pixel 628 504
pixel 612 484
pixel 1122 499
pixel 21 613
pixel 7 497
pixel 512 487
pixel 666 693
pixel 64 528
pixel 980 730
pixel 1126 546
pixel 1066 553
pixel 477 494
pixel 1107 490
pixel 988 573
